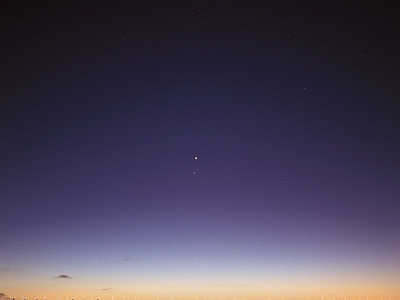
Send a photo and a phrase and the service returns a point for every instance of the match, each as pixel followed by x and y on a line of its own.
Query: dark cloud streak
pixel 130 258
pixel 63 276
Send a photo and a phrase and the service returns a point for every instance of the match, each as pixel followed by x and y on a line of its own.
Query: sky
pixel 200 150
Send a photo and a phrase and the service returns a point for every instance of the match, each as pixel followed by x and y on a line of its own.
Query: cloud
pixel 106 289
pixel 3 296
pixel 130 258
pixel 62 276
pixel 11 269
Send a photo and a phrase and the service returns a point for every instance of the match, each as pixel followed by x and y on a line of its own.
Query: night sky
pixel 215 149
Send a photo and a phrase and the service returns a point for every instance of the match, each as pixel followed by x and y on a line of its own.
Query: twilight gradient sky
pixel 291 109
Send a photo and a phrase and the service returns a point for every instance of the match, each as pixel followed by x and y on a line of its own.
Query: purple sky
pixel 290 109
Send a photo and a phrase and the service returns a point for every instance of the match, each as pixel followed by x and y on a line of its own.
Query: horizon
pixel 206 298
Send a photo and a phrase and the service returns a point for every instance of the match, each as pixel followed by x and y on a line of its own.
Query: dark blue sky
pixel 291 109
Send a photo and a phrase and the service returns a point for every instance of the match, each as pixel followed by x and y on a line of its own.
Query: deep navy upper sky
pixel 256 128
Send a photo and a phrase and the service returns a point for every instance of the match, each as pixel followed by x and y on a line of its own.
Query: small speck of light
pixel 195 158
